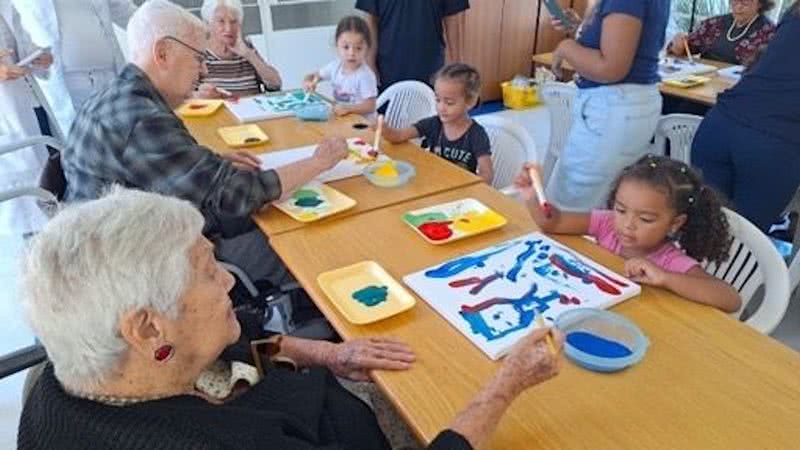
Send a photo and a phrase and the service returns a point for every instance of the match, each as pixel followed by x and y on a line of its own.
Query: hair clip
pixel 683 169
pixel 690 199
pixel 652 164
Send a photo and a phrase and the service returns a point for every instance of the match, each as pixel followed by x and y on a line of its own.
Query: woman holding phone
pixel 615 57
pixel 21 168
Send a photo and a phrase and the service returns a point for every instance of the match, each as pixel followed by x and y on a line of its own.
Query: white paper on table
pixel 249 109
pixel 344 169
pixel 733 73
pixel 675 68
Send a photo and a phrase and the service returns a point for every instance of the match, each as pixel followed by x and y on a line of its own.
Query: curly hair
pixel 765 6
pixel 706 234
pixel 465 74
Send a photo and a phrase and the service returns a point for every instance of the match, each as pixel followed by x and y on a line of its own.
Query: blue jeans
pixel 758 172
pixel 612 128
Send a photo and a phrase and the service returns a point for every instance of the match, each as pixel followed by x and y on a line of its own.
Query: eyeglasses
pixel 199 56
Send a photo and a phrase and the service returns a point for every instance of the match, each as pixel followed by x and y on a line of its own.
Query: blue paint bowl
pixel 315 112
pixel 600 340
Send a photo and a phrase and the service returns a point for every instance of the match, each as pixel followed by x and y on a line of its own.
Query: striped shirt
pixel 235 75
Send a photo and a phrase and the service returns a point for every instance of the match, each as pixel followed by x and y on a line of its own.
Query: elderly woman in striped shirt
pixel 234 66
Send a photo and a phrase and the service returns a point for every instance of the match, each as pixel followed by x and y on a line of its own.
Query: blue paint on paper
pixel 521 258
pixel 459 265
pixel 498 317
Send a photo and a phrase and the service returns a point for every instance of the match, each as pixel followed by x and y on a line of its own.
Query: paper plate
pixel 199 108
pixel 314 201
pixel 243 136
pixel 687 82
pixel 452 221
pixel 365 292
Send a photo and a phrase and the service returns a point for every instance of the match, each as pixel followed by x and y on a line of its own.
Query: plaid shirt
pixel 128 135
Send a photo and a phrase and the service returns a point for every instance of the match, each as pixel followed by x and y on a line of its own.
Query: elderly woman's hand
pixel 330 151
pixel 354 359
pixel 530 361
pixel 678 45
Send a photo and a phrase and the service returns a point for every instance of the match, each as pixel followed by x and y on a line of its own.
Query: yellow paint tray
pixel 243 136
pixel 452 221
pixel 687 81
pixel 199 108
pixel 315 201
pixel 364 292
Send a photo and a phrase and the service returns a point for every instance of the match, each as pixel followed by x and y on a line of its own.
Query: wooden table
pixel 705 93
pixel 433 173
pixel 707 382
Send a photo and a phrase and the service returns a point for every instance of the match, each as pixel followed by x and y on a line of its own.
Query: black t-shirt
pixel 463 151
pixel 410 40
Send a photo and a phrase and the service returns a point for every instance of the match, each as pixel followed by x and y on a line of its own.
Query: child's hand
pixel 340 110
pixel 310 83
pixel 523 181
pixel 644 271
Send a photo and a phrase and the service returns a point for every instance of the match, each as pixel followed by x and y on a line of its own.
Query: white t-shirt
pixel 352 87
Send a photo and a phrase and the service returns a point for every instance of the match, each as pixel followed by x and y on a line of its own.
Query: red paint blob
pixel 196 106
pixel 436 231
pixel 359 142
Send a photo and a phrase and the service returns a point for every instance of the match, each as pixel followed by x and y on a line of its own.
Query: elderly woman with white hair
pixel 234 67
pixel 133 310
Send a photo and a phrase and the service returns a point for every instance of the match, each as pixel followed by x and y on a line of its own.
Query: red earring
pixel 164 353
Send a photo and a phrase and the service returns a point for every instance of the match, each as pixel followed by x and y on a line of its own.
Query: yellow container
pixel 519 97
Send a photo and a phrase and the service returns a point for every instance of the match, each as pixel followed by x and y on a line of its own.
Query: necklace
pixel 740 35
pixel 113 400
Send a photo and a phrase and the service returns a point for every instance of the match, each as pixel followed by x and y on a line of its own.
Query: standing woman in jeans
pixel 748 145
pixel 615 57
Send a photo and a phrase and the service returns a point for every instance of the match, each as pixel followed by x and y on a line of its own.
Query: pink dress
pixel 668 256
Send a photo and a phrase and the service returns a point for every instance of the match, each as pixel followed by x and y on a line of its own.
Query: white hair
pixel 96 261
pixel 157 19
pixel 210 7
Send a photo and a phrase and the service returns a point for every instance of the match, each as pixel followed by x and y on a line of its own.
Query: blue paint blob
pixel 597 346
pixel 371 295
pixel 542 256
pixel 307 202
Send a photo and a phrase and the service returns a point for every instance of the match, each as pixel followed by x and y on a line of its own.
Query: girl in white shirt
pixel 355 86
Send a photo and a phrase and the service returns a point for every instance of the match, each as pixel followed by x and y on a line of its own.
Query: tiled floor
pixel 14 334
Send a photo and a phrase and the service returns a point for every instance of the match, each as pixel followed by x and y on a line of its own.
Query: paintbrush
pixel 548 337
pixel 688 52
pixel 378 131
pixel 536 180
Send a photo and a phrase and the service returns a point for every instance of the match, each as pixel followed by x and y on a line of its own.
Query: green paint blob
pixel 417 220
pixel 306 198
pixel 371 295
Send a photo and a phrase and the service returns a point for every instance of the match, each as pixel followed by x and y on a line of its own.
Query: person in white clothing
pixel 355 86
pixel 81 36
pixel 20 168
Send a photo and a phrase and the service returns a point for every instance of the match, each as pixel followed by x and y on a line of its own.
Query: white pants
pixel 612 128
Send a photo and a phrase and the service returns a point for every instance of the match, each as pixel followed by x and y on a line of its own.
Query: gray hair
pixel 210 7
pixel 96 261
pixel 157 19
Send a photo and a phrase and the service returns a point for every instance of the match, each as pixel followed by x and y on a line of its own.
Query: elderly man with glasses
pixel 128 134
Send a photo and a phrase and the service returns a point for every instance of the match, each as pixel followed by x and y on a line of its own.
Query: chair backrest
pixel 10 143
pixel 511 147
pixel 678 130
pixel 409 102
pixel 753 262
pixel 559 98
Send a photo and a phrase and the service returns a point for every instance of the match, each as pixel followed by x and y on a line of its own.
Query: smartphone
pixel 557 13
pixel 26 61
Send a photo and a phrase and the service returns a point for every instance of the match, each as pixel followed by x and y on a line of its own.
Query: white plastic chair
pixel 409 102
pixel 559 98
pixel 11 143
pixel 678 130
pixel 753 262
pixel 511 146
